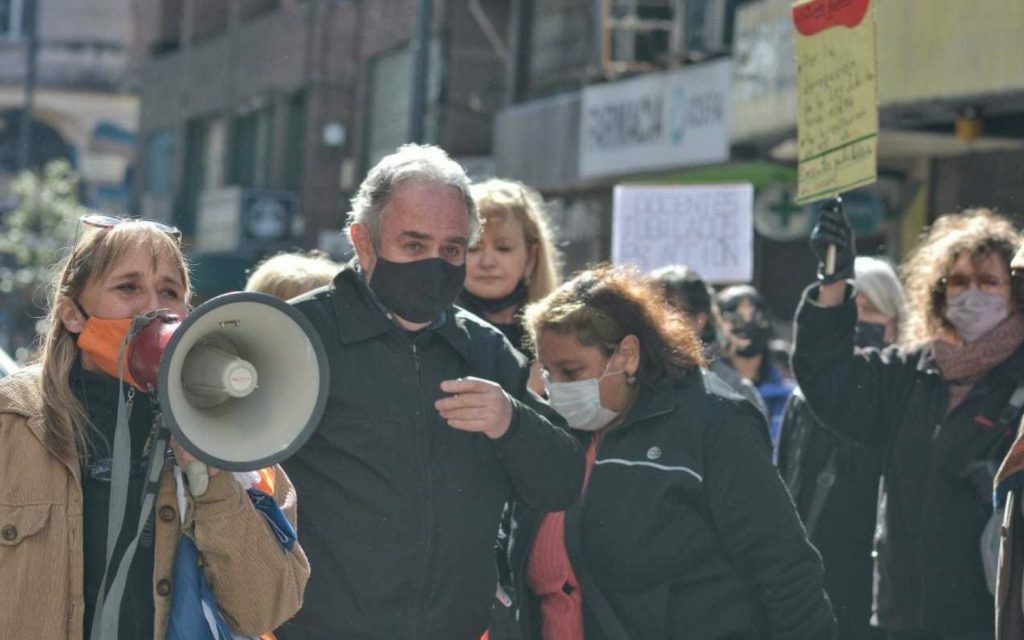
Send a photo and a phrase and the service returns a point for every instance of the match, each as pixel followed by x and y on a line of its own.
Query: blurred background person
pixel 747 326
pixel 685 528
pixel 684 289
pixel 288 275
pixel 515 262
pixel 834 479
pixel 938 406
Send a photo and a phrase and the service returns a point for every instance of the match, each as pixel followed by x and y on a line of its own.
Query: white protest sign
pixel 706 227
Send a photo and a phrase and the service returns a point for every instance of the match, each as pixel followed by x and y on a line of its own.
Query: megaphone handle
pixel 198 477
pixel 830 260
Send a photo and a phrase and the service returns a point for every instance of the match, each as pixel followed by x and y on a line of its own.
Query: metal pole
pixel 31 51
pixel 421 71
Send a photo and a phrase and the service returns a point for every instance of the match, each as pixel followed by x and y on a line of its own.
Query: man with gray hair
pixel 429 427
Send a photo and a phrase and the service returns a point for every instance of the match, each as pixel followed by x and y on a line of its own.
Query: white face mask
pixel 579 402
pixel 975 313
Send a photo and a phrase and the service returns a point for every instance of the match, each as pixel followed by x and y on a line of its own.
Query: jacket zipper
pixel 422 425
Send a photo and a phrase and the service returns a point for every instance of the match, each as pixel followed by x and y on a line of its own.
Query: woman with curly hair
pixel 684 528
pixel 939 407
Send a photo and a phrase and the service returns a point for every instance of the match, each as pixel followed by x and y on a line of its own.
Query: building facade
pixel 601 76
pixel 84 107
pixel 260 117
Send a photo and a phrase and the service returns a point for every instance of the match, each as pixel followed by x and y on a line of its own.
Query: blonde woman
pixel 58 432
pixel 289 275
pixel 515 261
pixel 937 406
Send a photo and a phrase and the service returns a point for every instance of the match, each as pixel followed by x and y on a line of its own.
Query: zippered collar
pixel 651 402
pixel 360 316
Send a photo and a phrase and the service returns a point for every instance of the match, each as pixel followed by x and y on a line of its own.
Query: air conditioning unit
pixel 245 221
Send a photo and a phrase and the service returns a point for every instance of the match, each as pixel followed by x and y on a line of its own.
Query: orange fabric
pixel 266 482
pixel 101 339
pixel 549 573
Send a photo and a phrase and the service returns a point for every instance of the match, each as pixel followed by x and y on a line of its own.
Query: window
pixel 391 101
pixel 295 142
pixel 12 18
pixel 194 178
pixel 160 153
pixel 251 148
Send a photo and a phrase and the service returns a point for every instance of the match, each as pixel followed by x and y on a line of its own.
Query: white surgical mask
pixel 579 403
pixel 974 313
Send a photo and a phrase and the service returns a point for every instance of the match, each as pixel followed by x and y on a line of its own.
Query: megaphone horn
pixel 242 380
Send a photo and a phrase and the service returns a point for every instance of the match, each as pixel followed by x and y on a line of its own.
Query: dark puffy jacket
pixel 834 483
pixel 935 496
pixel 687 528
pixel 400 509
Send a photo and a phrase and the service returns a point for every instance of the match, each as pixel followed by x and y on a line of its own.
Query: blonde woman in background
pixel 514 263
pixel 288 275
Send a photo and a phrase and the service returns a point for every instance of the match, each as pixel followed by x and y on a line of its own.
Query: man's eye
pixel 413 246
pixel 453 252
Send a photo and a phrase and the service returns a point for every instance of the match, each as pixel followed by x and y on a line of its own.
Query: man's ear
pixel 70 316
pixel 363 244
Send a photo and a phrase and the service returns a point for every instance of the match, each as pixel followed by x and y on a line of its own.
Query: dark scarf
pixel 964 365
pixel 481 306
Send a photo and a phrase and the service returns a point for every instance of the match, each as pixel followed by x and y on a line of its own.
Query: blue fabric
pixel 190 589
pixel 278 522
pixel 775 388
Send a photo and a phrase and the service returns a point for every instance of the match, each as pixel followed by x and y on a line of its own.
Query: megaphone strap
pixel 108 602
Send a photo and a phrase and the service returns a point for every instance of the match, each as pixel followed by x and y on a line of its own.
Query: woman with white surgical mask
pixel 684 527
pixel 940 407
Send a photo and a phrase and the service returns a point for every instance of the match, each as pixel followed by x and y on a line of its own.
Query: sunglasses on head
pixel 100 221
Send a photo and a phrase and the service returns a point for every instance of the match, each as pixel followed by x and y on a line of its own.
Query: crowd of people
pixel 506 454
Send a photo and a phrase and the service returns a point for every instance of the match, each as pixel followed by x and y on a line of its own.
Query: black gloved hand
pixel 834 229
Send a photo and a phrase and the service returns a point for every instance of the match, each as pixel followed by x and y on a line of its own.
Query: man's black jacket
pixel 686 527
pixel 936 495
pixel 399 510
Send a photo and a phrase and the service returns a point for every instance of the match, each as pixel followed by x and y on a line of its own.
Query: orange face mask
pixel 102 338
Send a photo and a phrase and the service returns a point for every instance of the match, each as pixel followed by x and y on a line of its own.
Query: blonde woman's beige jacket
pixel 257 584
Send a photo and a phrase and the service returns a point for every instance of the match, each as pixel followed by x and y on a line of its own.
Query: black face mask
pixel 417 291
pixel 869 334
pixel 757 335
pixel 515 298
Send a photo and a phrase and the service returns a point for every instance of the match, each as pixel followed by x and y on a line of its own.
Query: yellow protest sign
pixel 837 85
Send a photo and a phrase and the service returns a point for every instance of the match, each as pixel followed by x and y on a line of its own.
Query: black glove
pixel 834 229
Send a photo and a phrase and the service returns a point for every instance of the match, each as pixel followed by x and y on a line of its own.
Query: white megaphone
pixel 242 380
